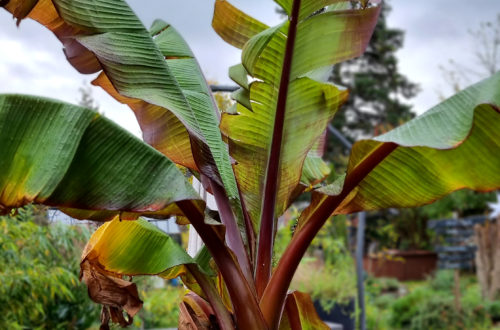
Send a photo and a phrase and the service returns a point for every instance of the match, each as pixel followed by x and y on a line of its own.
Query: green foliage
pixel 328 274
pixel 439 312
pixel 443 280
pixel 432 306
pixel 463 202
pixel 376 318
pixel 428 304
pixel 493 308
pixel 161 307
pixel 332 284
pixel 407 307
pixel 378 286
pixel 332 240
pixel 336 282
pixel 407 228
pixel 39 274
pixel 284 235
pixel 381 293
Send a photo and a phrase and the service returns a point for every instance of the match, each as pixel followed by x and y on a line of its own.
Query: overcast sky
pixel 32 62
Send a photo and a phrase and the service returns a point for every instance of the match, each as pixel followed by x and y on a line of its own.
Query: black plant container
pixel 340 313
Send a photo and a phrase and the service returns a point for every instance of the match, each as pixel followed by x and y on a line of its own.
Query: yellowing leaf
pixel 62 155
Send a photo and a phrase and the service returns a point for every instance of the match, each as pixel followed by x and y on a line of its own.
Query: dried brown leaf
pixel 115 294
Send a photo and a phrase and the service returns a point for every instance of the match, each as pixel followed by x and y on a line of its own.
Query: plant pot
pixel 403 265
pixel 340 313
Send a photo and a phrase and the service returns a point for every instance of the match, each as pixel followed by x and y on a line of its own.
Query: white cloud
pixel 436 31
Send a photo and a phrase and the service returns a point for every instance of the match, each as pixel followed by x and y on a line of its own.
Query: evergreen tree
pixel 377 89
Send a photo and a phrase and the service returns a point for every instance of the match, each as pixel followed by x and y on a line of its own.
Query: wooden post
pixel 487 239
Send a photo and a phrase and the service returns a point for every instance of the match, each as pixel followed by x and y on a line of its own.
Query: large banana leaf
pixel 309 105
pixel 314 169
pixel 62 155
pixel 453 146
pixel 139 248
pixel 106 35
pixel 135 248
pixel 129 248
pixel 120 248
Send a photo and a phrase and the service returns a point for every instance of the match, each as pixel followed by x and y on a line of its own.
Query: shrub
pixel 39 274
pixel 161 307
pixel 433 307
pixel 493 308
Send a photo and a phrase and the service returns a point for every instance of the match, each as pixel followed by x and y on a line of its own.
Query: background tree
pixel 39 273
pixel 86 98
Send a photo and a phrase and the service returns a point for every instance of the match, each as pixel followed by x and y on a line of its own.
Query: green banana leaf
pixel 454 145
pixel 310 104
pixel 69 157
pixel 135 248
pixel 120 248
pixel 314 169
pixel 233 25
pixel 130 248
pixel 106 35
pixel 160 128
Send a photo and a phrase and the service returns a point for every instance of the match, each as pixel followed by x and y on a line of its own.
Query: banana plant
pixel 255 158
